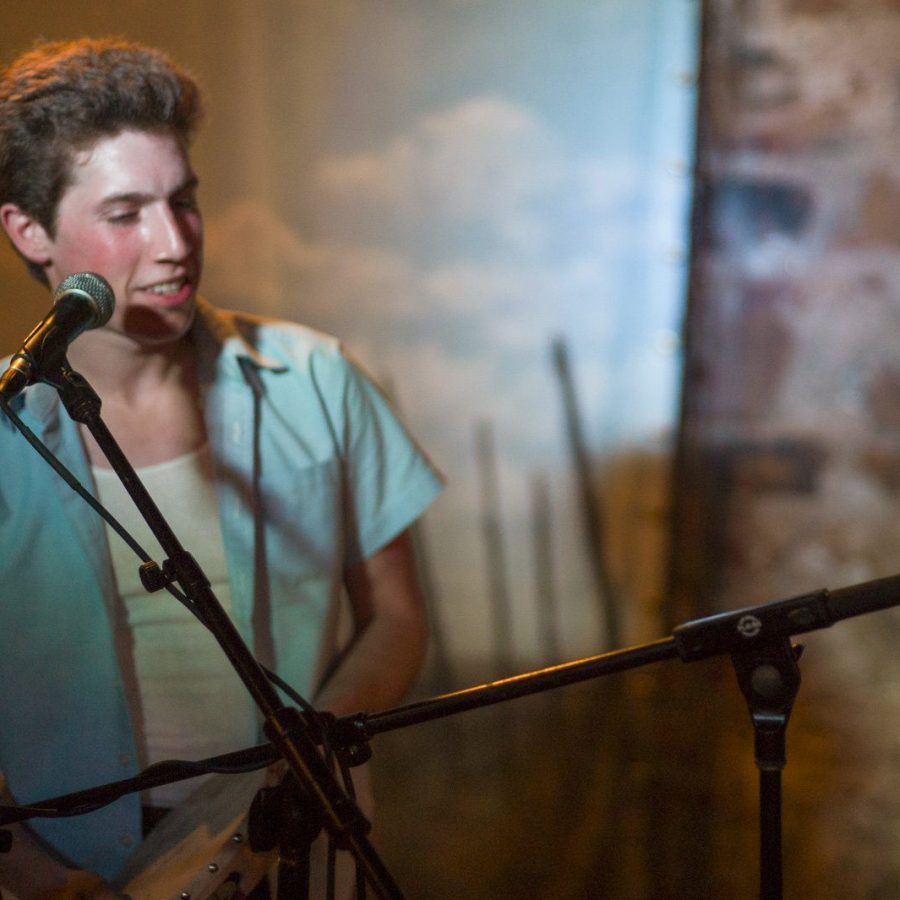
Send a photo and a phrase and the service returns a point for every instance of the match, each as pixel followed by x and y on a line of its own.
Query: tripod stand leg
pixel 293 875
pixel 769 678
pixel 770 861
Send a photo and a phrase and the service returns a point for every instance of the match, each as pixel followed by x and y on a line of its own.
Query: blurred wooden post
pixel 544 572
pixel 441 668
pixel 501 615
pixel 592 517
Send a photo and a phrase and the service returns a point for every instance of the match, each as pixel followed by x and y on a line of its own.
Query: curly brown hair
pixel 59 98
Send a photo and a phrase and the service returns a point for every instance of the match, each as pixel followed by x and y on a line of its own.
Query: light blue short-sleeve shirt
pixel 314 472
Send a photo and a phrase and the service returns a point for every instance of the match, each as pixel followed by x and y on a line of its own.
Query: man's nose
pixel 170 235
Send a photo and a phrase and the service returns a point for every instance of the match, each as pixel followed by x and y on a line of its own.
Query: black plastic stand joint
pixel 184 570
pixel 351 739
pixel 81 401
pixel 769 678
pixel 285 728
pixel 182 567
pixel 282 815
pixel 155 578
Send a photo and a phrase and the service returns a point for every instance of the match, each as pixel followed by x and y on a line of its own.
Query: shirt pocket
pixel 305 522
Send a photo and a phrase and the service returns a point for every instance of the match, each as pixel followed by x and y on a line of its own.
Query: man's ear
pixel 28 236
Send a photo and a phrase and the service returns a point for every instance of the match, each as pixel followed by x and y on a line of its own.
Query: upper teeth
pixel 169 287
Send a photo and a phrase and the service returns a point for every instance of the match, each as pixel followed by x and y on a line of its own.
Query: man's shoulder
pixel 281 339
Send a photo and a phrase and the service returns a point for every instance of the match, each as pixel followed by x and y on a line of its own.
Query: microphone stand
pixel 283 725
pixel 756 638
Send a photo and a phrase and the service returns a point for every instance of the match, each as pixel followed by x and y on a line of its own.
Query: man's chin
pixel 151 327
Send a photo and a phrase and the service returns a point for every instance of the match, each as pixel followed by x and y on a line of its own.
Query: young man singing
pixel 275 460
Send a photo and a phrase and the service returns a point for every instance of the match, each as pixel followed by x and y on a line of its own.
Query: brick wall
pixel 788 473
pixel 791 430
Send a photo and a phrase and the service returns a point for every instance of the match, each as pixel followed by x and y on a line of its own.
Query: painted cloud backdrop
pixel 449 242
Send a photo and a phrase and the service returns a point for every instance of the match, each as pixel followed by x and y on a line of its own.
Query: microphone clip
pixel 18 375
pixel 81 401
pixel 154 578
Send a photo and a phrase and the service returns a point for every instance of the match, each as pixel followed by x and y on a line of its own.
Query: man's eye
pixel 123 218
pixel 185 203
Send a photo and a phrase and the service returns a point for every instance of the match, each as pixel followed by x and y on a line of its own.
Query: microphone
pixel 82 301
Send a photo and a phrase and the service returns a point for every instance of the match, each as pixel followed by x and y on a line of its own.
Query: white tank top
pixel 185 700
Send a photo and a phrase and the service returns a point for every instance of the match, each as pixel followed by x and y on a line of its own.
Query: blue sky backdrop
pixel 472 179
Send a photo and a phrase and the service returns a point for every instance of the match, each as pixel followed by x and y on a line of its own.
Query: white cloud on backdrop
pixel 479 332
pixel 474 326
pixel 486 160
pixel 449 253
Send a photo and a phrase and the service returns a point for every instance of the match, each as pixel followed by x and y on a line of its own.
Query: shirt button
pixel 124 759
pixel 126 840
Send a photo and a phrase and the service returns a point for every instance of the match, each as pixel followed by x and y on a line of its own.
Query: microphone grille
pixel 96 287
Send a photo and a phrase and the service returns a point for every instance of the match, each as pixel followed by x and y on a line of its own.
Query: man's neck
pixel 150 400
pixel 119 368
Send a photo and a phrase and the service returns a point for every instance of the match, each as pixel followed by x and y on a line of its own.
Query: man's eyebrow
pixel 139 197
pixel 190 184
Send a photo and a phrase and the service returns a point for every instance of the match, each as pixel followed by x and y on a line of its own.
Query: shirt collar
pixel 222 339
pixel 40 401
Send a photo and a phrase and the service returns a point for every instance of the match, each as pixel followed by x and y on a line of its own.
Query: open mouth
pixel 172 292
pixel 167 287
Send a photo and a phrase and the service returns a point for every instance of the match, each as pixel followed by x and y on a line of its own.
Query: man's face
pixel 131 215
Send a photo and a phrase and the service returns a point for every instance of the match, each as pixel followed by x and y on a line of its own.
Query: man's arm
pixel 390 634
pixel 31 872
